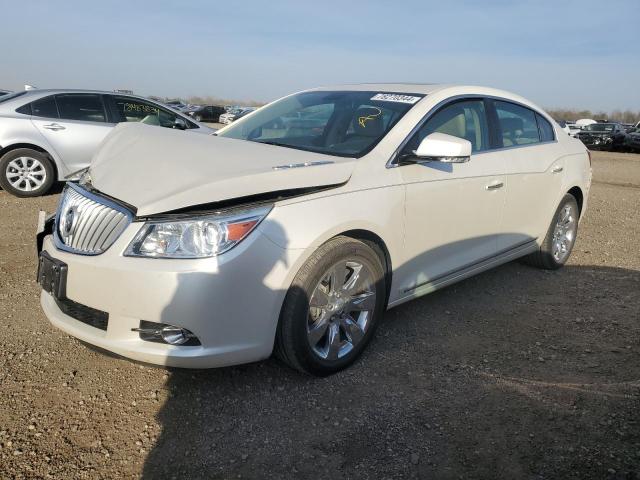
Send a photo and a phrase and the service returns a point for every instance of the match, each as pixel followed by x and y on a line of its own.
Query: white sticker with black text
pixel 395 97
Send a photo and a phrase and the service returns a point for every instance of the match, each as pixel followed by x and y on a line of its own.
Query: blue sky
pixel 568 53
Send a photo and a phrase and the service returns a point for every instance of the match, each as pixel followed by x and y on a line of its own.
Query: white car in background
pixel 49 135
pixel 295 237
pixel 233 114
pixel 583 122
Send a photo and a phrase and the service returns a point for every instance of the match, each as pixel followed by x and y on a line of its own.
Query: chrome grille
pixel 88 224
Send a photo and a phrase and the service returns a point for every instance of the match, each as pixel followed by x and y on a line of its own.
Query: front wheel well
pixel 380 247
pixel 16 146
pixel 578 195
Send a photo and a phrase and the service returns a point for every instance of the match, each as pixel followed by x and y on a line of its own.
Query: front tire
pixel 25 172
pixel 332 308
pixel 561 237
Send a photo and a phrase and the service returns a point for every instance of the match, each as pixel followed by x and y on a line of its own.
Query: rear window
pixel 82 106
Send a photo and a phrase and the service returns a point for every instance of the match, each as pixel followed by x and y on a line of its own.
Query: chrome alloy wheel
pixel 340 309
pixel 564 233
pixel 26 174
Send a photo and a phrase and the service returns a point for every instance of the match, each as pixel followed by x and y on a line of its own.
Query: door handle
pixel 495 186
pixel 557 169
pixel 54 126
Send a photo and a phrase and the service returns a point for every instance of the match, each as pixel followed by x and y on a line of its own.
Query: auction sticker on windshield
pixel 395 97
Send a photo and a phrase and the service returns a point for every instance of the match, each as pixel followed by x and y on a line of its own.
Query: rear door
pixel 74 124
pixel 533 170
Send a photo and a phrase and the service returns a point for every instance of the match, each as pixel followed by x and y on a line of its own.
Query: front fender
pixel 304 226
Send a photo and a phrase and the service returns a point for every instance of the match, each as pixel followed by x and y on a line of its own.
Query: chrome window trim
pixel 392 163
pixel 57 241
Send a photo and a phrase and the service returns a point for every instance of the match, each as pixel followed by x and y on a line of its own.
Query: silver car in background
pixel 49 135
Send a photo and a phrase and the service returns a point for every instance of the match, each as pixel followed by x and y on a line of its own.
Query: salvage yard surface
pixel 515 373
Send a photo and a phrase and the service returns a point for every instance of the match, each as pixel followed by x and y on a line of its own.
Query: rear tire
pixel 332 308
pixel 25 172
pixel 560 239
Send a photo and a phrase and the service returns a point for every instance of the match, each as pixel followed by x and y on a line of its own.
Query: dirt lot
pixel 516 373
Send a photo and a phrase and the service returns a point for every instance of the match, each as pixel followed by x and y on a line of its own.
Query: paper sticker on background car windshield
pixel 395 97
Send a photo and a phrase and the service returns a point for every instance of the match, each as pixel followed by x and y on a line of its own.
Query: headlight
pixel 197 237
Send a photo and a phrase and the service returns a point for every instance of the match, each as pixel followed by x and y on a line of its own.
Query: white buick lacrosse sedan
pixel 293 229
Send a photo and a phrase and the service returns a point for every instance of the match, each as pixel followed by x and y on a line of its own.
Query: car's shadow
pixel 506 375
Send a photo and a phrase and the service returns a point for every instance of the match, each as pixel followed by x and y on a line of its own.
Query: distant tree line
pixel 615 116
pixel 210 100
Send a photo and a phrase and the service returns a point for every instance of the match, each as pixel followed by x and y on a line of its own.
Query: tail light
pixel 589 153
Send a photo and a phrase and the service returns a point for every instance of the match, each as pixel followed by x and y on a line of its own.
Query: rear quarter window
pixel 545 129
pixel 45 107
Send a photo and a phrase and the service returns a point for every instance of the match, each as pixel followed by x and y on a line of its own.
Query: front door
pixel 452 211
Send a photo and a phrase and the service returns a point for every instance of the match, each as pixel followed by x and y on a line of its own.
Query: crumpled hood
pixel 158 170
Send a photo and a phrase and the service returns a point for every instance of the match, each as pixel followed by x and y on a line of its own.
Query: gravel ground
pixel 516 373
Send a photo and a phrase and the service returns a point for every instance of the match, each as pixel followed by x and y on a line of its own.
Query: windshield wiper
pixel 271 142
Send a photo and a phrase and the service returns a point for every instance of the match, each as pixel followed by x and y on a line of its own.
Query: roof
pixel 422 88
pixel 72 90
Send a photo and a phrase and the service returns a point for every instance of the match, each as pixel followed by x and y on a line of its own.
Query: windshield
pixel 347 124
pixel 10 96
pixel 599 127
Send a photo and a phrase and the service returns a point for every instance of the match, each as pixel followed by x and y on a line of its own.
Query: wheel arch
pixel 578 195
pixel 37 148
pixel 380 247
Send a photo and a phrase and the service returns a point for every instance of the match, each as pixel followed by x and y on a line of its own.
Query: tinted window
pixel 45 107
pixel 130 109
pixel 517 124
pixel 25 109
pixel 81 106
pixel 545 128
pixel 466 119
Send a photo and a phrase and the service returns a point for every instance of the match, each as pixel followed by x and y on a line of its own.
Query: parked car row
pixel 210 113
pixel 207 113
pixel 49 135
pixel 603 135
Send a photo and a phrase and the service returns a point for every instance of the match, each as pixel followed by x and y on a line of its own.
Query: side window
pixel 81 106
pixel 130 109
pixel 465 119
pixel 517 124
pixel 45 107
pixel 545 128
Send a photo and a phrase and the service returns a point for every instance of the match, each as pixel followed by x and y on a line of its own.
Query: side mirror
pixel 179 124
pixel 440 147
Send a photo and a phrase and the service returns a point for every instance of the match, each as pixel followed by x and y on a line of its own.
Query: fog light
pixel 164 333
pixel 175 335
